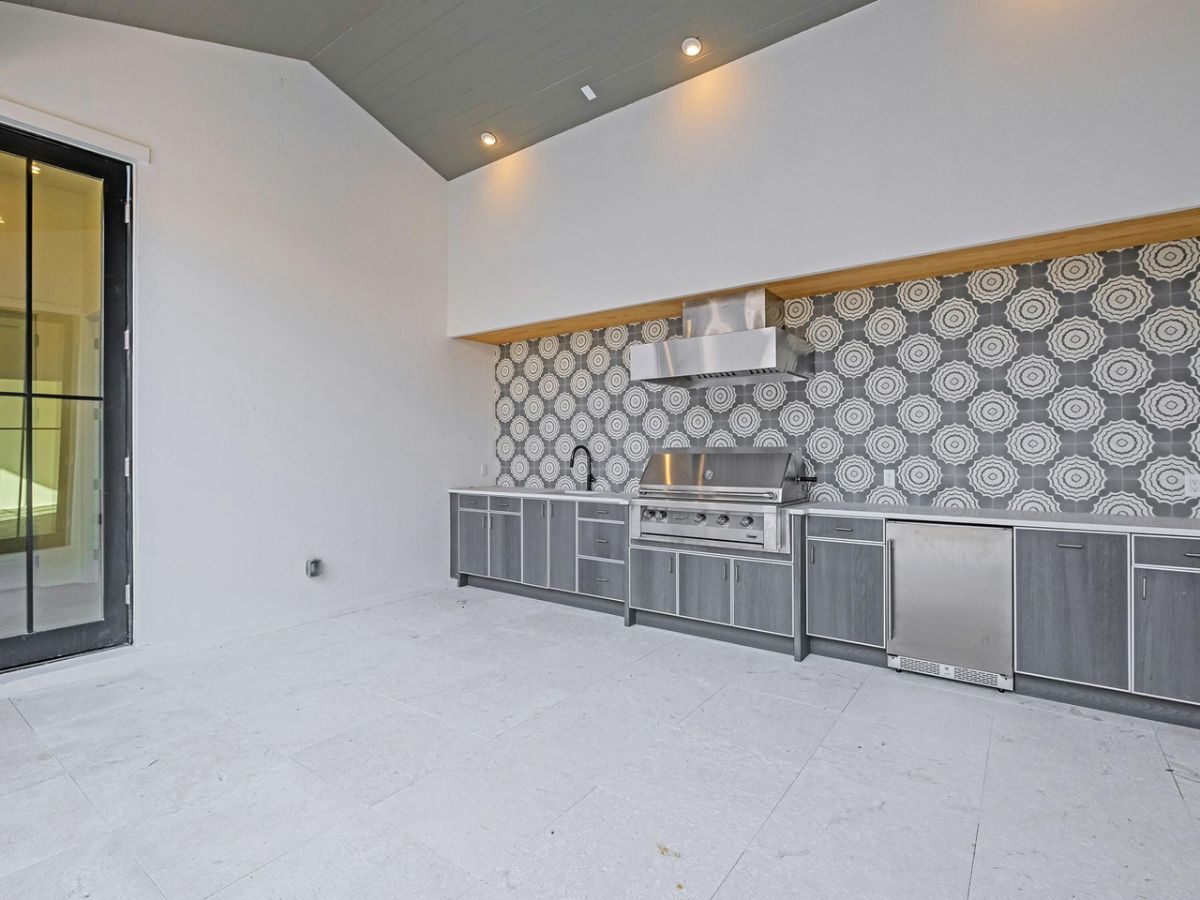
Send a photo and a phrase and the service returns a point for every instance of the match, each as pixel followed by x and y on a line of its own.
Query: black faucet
pixel 591 478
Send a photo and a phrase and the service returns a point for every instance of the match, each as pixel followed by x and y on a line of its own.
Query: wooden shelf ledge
pixel 1088 239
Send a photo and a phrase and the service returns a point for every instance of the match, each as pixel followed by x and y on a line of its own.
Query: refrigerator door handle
pixel 889 587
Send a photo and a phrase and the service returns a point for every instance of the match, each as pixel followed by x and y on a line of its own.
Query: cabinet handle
pixel 602 512
pixel 1143 587
pixel 1071 546
pixel 1192 555
pixel 726 567
pixel 543 510
pixel 598 578
pixel 601 540
pixel 812 553
pixel 671 565
pixel 835 528
pixel 737 571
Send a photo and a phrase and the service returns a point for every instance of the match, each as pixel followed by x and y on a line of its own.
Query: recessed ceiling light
pixel 489 139
pixel 588 92
pixel 692 46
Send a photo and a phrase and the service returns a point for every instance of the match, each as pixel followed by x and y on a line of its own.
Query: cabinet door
pixel 562 545
pixel 1072 606
pixel 845 594
pixel 472 542
pixel 704 587
pixel 534 524
pixel 504 545
pixel 1166 634
pixel 652 580
pixel 762 596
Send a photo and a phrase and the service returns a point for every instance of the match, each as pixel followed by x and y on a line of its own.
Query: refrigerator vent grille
pixel 920 665
pixel 957 673
pixel 974 676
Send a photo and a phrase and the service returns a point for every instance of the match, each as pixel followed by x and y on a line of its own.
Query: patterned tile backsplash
pixel 1069 385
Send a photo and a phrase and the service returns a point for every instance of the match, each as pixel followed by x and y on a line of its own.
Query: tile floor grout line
pixel 116 833
pixel 1175 780
pixel 273 859
pixel 782 796
pixel 982 793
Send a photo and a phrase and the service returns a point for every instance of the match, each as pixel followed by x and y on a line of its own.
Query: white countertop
pixel 548 493
pixel 1011 518
pixel 1073 521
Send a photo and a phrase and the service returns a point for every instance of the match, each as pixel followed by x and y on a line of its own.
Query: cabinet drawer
pixel 609 512
pixel 602 579
pixel 606 540
pixel 1182 553
pixel 506 504
pixel 845 527
pixel 472 501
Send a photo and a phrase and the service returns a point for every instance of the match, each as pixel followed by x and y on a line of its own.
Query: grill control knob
pixel 722 520
pixel 699 518
pixel 661 514
pixel 647 514
pixel 747 521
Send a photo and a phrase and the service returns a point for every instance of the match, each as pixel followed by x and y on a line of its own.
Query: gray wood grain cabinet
pixel 562 545
pixel 845 592
pixel 762 596
pixel 704 587
pixel 652 580
pixel 1166 634
pixel 472 542
pixel 504 546
pixel 1072 606
pixel 535 525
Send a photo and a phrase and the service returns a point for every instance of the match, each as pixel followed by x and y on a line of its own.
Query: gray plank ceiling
pixel 436 73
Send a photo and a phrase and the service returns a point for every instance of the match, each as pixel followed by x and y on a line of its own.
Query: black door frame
pixel 116 628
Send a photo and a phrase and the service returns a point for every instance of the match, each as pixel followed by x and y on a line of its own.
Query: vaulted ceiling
pixel 437 73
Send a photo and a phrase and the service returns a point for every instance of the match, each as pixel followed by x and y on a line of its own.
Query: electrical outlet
pixel 889 478
pixel 483 468
pixel 1191 485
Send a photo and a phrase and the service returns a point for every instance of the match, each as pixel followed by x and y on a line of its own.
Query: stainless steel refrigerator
pixel 950 601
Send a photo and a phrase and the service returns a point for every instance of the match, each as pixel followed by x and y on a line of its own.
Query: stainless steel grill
pixel 726 498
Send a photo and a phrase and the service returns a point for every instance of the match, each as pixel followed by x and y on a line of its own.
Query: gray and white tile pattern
pixel 1070 385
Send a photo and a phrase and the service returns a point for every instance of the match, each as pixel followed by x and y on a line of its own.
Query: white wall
pixel 906 127
pixel 294 391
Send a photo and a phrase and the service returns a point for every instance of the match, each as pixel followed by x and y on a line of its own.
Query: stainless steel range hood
pixel 730 339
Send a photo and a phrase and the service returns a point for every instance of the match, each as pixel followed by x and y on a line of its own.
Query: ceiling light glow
pixel 489 139
pixel 692 46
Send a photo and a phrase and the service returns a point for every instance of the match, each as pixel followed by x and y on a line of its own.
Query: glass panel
pixel 13 486
pixel 12 273
pixel 67 280
pixel 66 501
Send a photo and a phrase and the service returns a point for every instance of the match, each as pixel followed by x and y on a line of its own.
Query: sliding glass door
pixel 64 400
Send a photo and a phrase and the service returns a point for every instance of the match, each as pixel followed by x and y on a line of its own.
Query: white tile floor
pixel 470 744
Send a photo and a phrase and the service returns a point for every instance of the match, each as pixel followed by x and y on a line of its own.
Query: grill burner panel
pixel 724 498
